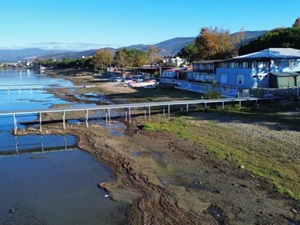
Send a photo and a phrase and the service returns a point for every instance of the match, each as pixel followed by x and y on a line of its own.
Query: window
pixel 262 65
pixel 223 79
pixel 292 62
pixel 277 63
pixel 240 79
pixel 245 65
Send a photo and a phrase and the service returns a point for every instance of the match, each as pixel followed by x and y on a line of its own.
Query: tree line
pixel 123 58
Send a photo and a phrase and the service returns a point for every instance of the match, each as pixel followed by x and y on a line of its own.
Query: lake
pixel 47 179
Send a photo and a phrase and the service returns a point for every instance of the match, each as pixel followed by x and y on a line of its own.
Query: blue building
pixel 273 67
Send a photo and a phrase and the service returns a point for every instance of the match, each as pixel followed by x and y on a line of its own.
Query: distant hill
pixel 251 35
pixel 8 55
pixel 72 55
pixel 167 47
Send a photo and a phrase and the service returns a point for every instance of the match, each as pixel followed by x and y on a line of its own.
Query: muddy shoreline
pixel 171 180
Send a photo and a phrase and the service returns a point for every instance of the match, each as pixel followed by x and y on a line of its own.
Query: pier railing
pixel 128 108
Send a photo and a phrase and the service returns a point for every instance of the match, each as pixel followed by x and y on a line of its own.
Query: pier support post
pixel 41 129
pixel 64 119
pixel 187 107
pixel 15 124
pixel 169 111
pixel 87 118
pixel 149 113
pixel 108 116
pixel 129 114
pixel 163 111
pixel 240 104
pixel 205 105
pixel 145 114
pixel 223 105
pixel 105 115
pixel 126 115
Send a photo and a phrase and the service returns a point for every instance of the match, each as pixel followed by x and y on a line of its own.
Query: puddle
pixel 216 213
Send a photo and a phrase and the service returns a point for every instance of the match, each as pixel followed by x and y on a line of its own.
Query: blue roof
pixel 273 53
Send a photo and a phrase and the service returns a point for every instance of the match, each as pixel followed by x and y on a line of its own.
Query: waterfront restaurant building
pixel 269 68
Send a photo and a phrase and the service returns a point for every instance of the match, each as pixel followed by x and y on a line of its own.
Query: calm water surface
pixel 46 179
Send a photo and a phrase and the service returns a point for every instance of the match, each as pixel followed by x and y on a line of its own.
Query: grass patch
pixel 277 161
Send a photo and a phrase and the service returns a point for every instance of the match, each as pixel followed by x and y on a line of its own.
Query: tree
pixel 152 54
pixel 125 57
pixel 214 43
pixel 189 52
pixel 297 22
pixel 120 57
pixel 109 57
pixel 277 38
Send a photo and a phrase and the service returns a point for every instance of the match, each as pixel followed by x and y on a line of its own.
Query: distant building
pixel 174 60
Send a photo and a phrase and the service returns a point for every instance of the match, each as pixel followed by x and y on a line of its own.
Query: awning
pixel 285 74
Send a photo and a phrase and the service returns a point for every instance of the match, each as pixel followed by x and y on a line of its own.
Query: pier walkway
pixel 128 107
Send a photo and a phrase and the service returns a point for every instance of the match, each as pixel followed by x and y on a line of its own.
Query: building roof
pixel 285 74
pixel 175 69
pixel 273 53
pixel 207 61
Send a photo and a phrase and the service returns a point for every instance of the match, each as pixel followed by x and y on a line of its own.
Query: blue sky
pixel 92 24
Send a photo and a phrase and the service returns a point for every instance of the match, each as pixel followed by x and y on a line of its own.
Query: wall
pixel 232 77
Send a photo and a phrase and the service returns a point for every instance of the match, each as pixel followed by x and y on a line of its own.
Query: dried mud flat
pixel 171 180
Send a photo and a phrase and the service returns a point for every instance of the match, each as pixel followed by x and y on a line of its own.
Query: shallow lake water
pixel 46 179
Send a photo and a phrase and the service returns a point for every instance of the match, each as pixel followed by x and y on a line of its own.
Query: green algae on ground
pixel 264 157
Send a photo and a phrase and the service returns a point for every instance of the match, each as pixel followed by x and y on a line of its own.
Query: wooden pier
pixel 128 108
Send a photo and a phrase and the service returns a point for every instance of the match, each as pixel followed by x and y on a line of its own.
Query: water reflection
pixel 37 144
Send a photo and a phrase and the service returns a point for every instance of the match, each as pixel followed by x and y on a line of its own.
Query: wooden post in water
pixel 15 124
pixel 42 143
pixel 65 142
pixel 41 129
pixel 87 118
pixel 64 119
pixel 17 144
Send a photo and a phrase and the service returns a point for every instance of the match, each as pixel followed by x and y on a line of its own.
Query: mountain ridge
pixel 170 46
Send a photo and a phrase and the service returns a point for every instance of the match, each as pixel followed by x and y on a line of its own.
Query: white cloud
pixel 55 45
